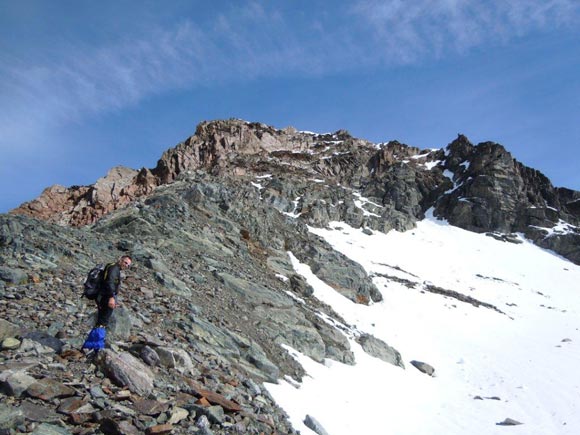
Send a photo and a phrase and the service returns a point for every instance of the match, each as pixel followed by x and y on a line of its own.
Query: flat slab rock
pixel 215 398
pixel 47 389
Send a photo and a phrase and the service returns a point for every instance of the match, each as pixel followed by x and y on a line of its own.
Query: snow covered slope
pixel 520 361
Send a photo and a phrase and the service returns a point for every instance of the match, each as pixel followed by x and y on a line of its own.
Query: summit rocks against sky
pixel 479 188
pixel 85 86
pixel 282 278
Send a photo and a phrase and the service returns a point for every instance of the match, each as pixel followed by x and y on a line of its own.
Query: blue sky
pixel 85 86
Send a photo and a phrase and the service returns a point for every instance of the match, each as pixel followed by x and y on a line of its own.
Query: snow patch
pixel 528 361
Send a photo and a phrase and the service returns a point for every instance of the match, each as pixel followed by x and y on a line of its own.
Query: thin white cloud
pixel 410 30
pixel 249 42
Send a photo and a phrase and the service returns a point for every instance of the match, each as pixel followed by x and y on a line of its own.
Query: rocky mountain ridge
pixel 481 187
pixel 216 230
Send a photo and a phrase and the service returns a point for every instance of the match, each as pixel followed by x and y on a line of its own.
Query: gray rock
pixel 38 413
pixel 251 352
pixel 33 348
pixel 253 387
pixel 97 392
pixel 175 358
pixel 13 276
pixel 127 371
pixel 16 383
pixel 509 422
pixel 423 367
pixel 149 356
pixel 51 429
pixel 341 273
pixel 173 284
pixel 177 414
pixel 379 349
pixel 203 424
pixel 48 389
pixel 45 339
pixel 215 414
pixel 255 293
pixel 10 417
pixel 506 197
pixel 313 424
pixel 300 286
pixel 8 330
pixel 120 324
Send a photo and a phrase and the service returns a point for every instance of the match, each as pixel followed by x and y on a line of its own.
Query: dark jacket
pixel 112 280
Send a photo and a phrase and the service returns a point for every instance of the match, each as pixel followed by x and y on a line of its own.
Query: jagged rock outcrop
pixel 318 177
pixel 476 187
pixel 494 192
pixel 479 188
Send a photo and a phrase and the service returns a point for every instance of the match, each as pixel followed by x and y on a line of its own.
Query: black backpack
pixel 94 282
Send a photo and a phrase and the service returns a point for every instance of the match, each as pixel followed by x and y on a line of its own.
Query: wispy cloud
pixel 254 41
pixel 409 31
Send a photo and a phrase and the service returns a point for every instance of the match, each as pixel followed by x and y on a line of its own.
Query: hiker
pixel 106 301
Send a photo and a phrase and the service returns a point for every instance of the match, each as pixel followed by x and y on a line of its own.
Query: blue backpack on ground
pixel 96 339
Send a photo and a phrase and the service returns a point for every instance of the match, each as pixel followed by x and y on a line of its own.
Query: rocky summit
pixel 213 296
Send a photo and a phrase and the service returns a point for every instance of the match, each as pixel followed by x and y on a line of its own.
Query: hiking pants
pixel 104 312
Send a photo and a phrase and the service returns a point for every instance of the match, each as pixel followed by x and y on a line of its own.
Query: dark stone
pixel 313 424
pixel 150 407
pixel 423 367
pixel 509 422
pixel 45 339
pixel 39 413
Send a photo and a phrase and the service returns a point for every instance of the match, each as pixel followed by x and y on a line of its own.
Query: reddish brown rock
pixel 209 148
pixel 160 429
pixel 150 407
pixel 203 402
pixel 214 398
pixel 69 405
pixel 47 389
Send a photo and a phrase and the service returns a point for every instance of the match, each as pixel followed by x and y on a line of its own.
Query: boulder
pixel 13 276
pixel 15 383
pixel 313 424
pixel 10 343
pixel 8 330
pixel 45 340
pixel 48 389
pixel 379 349
pixel 38 413
pixel 423 367
pixel 120 324
pixel 175 358
pixel 10 417
pixel 127 371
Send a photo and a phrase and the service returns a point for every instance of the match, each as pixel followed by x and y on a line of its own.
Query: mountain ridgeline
pixel 480 188
pixel 216 230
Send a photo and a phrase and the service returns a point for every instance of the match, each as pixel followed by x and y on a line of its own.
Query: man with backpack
pixel 107 286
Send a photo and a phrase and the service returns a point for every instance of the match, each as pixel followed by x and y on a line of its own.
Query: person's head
pixel 125 262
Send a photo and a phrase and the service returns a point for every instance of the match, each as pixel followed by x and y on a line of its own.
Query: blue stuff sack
pixel 96 339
